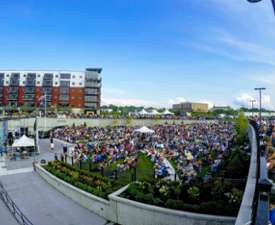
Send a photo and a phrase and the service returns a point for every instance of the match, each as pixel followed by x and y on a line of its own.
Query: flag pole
pixel 45 109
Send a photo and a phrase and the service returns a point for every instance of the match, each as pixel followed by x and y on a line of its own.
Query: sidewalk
pixel 4 171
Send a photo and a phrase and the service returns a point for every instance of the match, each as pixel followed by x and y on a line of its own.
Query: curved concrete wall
pixel 49 123
pixel 124 211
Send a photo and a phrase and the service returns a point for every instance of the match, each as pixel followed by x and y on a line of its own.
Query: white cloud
pixel 266 99
pixel 210 103
pixel 251 51
pixel 126 101
pixel 176 100
pixel 265 79
pixel 237 49
pixel 243 100
pixel 113 91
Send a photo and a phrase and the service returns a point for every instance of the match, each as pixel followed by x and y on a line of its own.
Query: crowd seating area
pixel 190 148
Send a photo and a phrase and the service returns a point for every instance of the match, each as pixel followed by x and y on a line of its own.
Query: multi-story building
pixel 221 108
pixel 77 89
pixel 190 107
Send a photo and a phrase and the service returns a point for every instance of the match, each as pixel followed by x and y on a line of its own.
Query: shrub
pixel 94 184
pixel 194 193
pixel 174 204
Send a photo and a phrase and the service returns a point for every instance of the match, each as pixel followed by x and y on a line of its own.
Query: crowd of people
pixel 189 147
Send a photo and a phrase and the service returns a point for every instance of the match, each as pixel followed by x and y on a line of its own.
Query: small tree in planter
pixel 194 193
pixel 241 127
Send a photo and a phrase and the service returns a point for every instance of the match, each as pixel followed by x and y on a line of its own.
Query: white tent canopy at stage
pixel 24 141
pixel 145 130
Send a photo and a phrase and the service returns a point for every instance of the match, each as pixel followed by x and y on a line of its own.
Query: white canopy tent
pixel 167 112
pixel 145 130
pixel 24 141
pixel 155 112
pixel 143 112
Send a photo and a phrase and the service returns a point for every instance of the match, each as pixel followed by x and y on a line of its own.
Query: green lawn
pixel 144 170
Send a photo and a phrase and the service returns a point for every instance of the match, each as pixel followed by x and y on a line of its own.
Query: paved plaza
pixel 39 201
pixel 45 153
pixel 5 215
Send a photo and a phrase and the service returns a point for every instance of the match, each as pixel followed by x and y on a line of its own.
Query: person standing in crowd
pixel 52 146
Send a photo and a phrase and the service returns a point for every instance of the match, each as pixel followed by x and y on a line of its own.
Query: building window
pixel 65 76
pixel 73 83
pixel 38 82
pixel 80 83
pixel 56 83
pixel 38 75
pixel 24 75
pixel 73 76
pixel 56 75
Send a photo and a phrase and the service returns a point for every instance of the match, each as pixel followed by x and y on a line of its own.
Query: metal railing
pixel 13 208
pixel 255 205
pixel 263 188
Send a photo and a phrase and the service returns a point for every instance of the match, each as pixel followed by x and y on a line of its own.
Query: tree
pixel 241 127
pixel 129 121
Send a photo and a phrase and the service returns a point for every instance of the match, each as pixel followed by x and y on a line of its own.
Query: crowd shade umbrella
pixel 144 130
pixel 24 141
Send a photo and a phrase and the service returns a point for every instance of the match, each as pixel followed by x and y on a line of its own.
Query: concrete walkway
pixel 4 171
pixel 39 201
pixel 5 216
pixel 43 204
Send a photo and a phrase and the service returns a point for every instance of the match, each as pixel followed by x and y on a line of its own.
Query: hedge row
pixel 87 181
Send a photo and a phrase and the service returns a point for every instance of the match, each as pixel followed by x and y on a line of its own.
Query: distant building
pixel 190 107
pixel 77 89
pixel 219 108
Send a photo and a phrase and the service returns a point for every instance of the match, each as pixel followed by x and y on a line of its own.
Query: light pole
pixel 260 101
pixel 252 105
pixel 255 1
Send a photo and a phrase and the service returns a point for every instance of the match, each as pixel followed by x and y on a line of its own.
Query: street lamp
pixel 252 105
pixel 255 1
pixel 260 101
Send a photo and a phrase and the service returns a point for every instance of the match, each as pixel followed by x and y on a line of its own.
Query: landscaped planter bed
pixel 87 181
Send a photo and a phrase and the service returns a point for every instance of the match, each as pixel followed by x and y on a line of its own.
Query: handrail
pixel 254 209
pixel 13 208
pixel 246 209
pixel 263 190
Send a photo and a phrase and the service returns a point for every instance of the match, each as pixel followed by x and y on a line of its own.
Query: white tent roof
pixel 154 112
pixel 167 112
pixel 143 112
pixel 145 130
pixel 24 141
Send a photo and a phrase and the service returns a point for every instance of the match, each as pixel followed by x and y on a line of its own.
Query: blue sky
pixel 153 52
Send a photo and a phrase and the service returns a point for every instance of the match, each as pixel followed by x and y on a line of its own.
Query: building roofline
pixel 94 69
pixel 53 70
